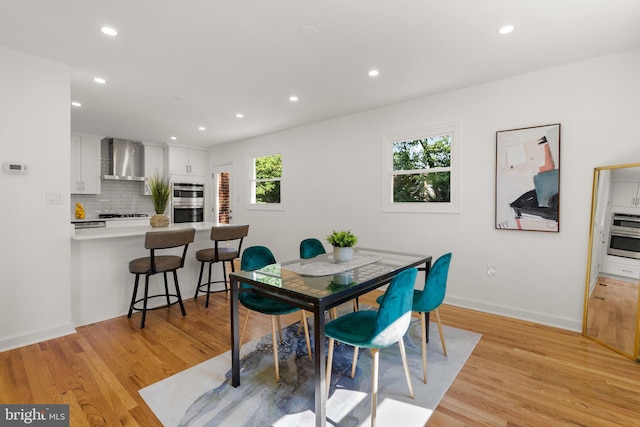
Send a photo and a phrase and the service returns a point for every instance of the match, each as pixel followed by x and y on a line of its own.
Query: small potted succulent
pixel 343 242
pixel 160 190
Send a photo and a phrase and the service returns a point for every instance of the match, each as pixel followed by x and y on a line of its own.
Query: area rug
pixel 203 395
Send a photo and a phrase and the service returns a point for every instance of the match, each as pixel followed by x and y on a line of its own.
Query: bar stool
pixel 227 244
pixel 154 241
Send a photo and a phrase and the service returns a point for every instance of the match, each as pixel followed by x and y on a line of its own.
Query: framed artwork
pixel 528 178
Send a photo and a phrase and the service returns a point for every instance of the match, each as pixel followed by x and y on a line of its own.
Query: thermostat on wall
pixel 10 167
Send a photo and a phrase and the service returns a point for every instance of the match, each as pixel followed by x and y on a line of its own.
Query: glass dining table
pixel 316 285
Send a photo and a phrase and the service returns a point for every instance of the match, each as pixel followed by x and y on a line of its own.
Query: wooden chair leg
pixel 280 329
pixel 423 321
pixel 354 362
pixel 375 355
pixel 306 334
pixel 329 363
pixel 244 327
pixel 275 347
pixel 403 353
pixel 444 346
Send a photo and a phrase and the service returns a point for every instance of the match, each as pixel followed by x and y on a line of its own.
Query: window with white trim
pixel 420 170
pixel 266 184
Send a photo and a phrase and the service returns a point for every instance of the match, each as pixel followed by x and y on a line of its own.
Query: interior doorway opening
pixel 222 189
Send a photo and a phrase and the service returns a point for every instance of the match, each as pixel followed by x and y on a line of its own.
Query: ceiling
pixel 179 65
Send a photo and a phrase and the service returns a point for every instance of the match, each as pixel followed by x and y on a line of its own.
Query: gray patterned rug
pixel 203 396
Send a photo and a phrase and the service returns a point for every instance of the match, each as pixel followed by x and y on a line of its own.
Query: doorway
pixel 222 194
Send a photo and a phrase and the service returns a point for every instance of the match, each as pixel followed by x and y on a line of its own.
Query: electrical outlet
pixel 491 270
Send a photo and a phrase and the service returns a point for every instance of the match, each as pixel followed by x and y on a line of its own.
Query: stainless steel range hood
pixel 125 159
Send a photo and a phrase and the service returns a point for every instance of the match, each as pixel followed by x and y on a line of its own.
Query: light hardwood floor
pixel 612 313
pixel 520 374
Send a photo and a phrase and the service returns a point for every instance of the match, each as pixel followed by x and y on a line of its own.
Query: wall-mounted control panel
pixel 14 167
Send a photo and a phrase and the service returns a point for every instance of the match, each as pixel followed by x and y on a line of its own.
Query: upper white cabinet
pixel 188 161
pixel 153 163
pixel 85 165
pixel 625 193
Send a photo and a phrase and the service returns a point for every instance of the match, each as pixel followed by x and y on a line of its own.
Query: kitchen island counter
pixel 101 284
pixel 112 231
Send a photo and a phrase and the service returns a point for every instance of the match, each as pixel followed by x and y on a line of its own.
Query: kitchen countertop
pixel 131 230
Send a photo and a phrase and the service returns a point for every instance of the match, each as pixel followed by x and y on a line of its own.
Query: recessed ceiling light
pixel 109 31
pixel 239 115
pixel 100 80
pixel 293 98
pixel 76 104
pixel 506 29
pixel 201 128
pixel 173 138
pixel 373 73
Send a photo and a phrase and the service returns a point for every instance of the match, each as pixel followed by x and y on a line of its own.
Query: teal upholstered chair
pixel 310 248
pixel 376 329
pixel 429 300
pixel 253 258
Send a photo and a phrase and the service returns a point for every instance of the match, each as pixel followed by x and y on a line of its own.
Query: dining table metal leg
pixel 320 366
pixel 235 335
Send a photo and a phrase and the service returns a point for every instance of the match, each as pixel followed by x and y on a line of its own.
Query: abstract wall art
pixel 528 179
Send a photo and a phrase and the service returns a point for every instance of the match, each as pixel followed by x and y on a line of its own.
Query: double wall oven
pixel 624 237
pixel 187 202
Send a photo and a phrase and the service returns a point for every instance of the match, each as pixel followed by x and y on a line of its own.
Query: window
pixel 266 183
pixel 420 170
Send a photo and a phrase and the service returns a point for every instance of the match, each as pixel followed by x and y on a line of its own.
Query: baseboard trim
pixel 36 337
pixel 529 316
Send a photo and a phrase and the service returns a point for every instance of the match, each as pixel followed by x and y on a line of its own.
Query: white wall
pixel 333 178
pixel 35 300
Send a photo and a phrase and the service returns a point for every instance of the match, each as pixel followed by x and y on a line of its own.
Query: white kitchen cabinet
pixel 619 266
pixel 626 193
pixel 188 161
pixel 153 164
pixel 85 165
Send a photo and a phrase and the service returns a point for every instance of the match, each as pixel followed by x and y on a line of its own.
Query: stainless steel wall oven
pixel 624 237
pixel 187 202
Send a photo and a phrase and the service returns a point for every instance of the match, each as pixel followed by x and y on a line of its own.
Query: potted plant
pixel 343 242
pixel 160 190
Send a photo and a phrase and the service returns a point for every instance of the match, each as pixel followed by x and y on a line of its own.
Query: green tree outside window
pixel 421 170
pixel 268 172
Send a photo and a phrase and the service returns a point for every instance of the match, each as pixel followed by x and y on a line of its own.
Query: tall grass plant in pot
pixel 160 190
pixel 343 242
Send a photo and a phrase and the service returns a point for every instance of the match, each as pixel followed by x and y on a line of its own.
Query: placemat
pixel 327 268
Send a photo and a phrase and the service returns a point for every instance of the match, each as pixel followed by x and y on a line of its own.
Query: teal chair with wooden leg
pixel 376 330
pixel 254 258
pixel 429 300
pixel 310 248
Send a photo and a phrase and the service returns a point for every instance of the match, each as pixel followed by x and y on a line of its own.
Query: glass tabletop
pixel 322 279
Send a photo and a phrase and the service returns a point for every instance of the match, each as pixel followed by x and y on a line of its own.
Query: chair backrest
pixel 310 248
pixel 227 233
pixel 223 233
pixel 169 238
pixel 155 240
pixel 255 257
pixel 394 314
pixel 435 286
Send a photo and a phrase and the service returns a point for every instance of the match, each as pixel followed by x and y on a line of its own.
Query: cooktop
pixel 120 215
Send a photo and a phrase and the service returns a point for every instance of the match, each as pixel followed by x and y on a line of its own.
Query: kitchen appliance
pixel 121 215
pixel 125 159
pixel 624 236
pixel 187 202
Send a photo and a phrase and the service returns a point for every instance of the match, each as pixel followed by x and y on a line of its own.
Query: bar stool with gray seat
pixel 153 264
pixel 227 244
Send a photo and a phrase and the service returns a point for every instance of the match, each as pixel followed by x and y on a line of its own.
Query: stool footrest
pixel 141 300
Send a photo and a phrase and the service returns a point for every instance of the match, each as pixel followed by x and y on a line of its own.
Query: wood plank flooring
pixel 520 374
pixel 612 313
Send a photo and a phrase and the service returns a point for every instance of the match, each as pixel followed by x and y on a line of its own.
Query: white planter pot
pixel 342 255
